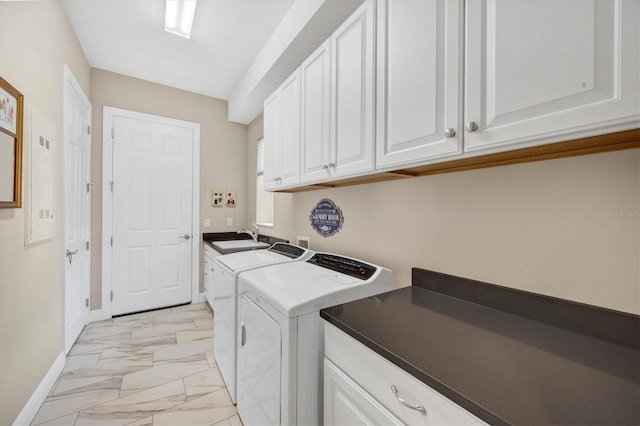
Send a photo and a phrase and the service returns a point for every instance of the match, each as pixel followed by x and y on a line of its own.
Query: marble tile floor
pixel 153 368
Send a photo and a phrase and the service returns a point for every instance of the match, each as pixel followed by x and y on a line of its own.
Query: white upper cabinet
pixel 271 140
pixel 419 72
pixel 352 90
pixel 549 70
pixel 315 75
pixel 282 135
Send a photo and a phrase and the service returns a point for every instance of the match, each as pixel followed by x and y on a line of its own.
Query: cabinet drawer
pixel 376 376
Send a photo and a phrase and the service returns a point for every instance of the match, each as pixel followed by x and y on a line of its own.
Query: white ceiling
pixel 239 50
pixel 128 37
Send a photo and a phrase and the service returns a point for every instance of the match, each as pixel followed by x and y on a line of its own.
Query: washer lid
pixel 278 253
pixel 299 288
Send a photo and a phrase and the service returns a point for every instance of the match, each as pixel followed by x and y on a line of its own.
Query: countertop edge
pixel 425 378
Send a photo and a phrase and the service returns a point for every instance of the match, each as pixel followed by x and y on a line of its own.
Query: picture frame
pixel 11 118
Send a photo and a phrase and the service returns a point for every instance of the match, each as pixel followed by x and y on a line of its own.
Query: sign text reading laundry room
pixel 326 218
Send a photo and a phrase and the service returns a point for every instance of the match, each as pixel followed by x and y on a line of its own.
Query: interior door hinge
pixel 111 186
pixel 111 241
pixel 88 130
pixel 113 133
pixel 86 303
pixel 87 245
pixel 112 296
pixel 88 186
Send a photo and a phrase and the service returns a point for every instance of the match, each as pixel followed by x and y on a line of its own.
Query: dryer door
pixel 259 365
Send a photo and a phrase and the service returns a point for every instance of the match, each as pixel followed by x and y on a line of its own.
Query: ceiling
pixel 128 37
pixel 239 50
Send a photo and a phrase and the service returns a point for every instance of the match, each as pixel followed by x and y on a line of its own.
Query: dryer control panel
pixel 344 265
pixel 288 250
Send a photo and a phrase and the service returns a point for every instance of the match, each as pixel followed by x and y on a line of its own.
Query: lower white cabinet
pixel 209 269
pixel 346 403
pixel 361 387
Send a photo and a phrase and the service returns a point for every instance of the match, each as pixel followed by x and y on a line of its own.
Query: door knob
pixel 471 126
pixel 70 255
pixel 185 237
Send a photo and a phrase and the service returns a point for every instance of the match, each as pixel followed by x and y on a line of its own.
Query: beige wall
pixel 543 227
pixel 222 151
pixel 36 40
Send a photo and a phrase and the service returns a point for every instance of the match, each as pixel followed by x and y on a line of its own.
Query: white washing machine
pixel 280 337
pixel 225 300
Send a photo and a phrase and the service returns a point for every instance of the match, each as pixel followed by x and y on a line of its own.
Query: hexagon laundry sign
pixel 326 218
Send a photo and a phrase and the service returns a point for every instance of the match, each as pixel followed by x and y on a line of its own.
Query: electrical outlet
pixel 207 222
pixel 229 221
pixel 302 241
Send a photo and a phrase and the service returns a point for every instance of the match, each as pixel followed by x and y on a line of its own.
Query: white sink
pixel 239 244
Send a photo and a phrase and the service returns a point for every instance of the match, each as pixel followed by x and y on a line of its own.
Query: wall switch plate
pixel 302 241
pixel 207 222
pixel 229 221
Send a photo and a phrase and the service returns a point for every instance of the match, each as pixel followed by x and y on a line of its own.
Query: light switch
pixel 229 221
pixel 207 222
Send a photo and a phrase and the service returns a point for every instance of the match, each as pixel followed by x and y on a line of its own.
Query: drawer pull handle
pixel 420 408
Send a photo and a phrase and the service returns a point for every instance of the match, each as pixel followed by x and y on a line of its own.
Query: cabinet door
pixel 352 105
pixel 259 352
pixel 272 137
pixel 224 326
pixel 315 75
pixel 290 130
pixel 549 70
pixel 418 81
pixel 346 403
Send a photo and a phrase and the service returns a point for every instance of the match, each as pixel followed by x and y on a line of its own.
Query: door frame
pixel 70 80
pixel 109 113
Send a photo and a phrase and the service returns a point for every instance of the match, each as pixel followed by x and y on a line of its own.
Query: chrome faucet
pixel 253 235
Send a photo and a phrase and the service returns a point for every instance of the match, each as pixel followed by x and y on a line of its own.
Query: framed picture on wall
pixel 11 115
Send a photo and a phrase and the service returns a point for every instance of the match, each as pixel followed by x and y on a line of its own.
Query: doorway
pixel 150 211
pixel 77 208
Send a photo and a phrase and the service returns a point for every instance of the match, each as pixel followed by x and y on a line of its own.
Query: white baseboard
pixel 32 406
pixel 201 298
pixel 95 316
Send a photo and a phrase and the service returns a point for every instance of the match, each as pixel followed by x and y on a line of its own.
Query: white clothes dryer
pixel 280 335
pixel 225 300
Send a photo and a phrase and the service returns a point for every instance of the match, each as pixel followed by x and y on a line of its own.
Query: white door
pixel 418 81
pixel 290 122
pixel 272 140
pixel 259 365
pixel 352 103
pixel 315 76
pixel 539 70
pixel 77 209
pixel 152 214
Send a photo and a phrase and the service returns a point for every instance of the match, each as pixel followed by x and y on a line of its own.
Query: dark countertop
pixel 502 367
pixel 211 237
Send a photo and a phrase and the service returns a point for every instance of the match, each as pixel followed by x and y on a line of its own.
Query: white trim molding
pixel 34 403
pixel 95 315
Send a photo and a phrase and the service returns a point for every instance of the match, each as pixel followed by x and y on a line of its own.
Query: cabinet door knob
pixel 420 408
pixel 449 133
pixel 332 165
pixel 471 126
pixel 325 167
